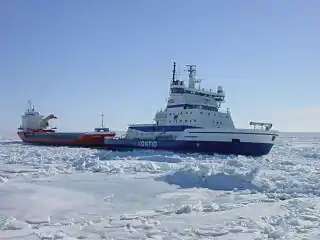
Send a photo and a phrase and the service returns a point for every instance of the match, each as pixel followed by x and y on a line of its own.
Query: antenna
pixel 192 75
pixel 199 80
pixel 178 73
pixel 174 72
pixel 29 104
pixel 102 120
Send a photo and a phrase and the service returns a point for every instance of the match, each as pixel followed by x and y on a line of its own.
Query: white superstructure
pixel 32 120
pixel 192 113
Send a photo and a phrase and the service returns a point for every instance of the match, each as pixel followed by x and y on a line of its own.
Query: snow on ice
pixel 73 193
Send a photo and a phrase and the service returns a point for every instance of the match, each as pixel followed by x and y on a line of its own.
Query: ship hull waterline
pixel 180 146
pixel 64 139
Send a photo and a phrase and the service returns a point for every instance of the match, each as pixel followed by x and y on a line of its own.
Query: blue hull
pixel 205 147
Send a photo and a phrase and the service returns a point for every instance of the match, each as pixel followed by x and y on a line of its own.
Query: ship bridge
pixel 32 120
pixel 192 105
pixel 188 106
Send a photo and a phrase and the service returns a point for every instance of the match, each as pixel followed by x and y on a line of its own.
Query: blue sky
pixel 78 58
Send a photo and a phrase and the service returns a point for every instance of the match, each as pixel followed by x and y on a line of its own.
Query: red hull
pixel 65 139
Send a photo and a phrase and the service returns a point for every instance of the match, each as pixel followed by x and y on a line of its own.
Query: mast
pixel 102 120
pixel 174 72
pixel 192 75
pixel 29 106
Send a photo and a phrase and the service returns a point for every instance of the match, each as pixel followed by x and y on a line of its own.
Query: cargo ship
pixel 193 122
pixel 35 129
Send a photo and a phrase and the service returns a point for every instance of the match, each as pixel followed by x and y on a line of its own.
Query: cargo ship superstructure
pixel 192 122
pixel 35 129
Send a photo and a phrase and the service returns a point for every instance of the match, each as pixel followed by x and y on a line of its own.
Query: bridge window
pixel 200 94
pixel 177 90
pixel 190 106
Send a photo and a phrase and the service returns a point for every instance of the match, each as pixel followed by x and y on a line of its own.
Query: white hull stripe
pixel 253 133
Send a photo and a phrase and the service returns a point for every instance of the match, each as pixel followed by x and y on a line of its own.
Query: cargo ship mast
pixel 102 128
